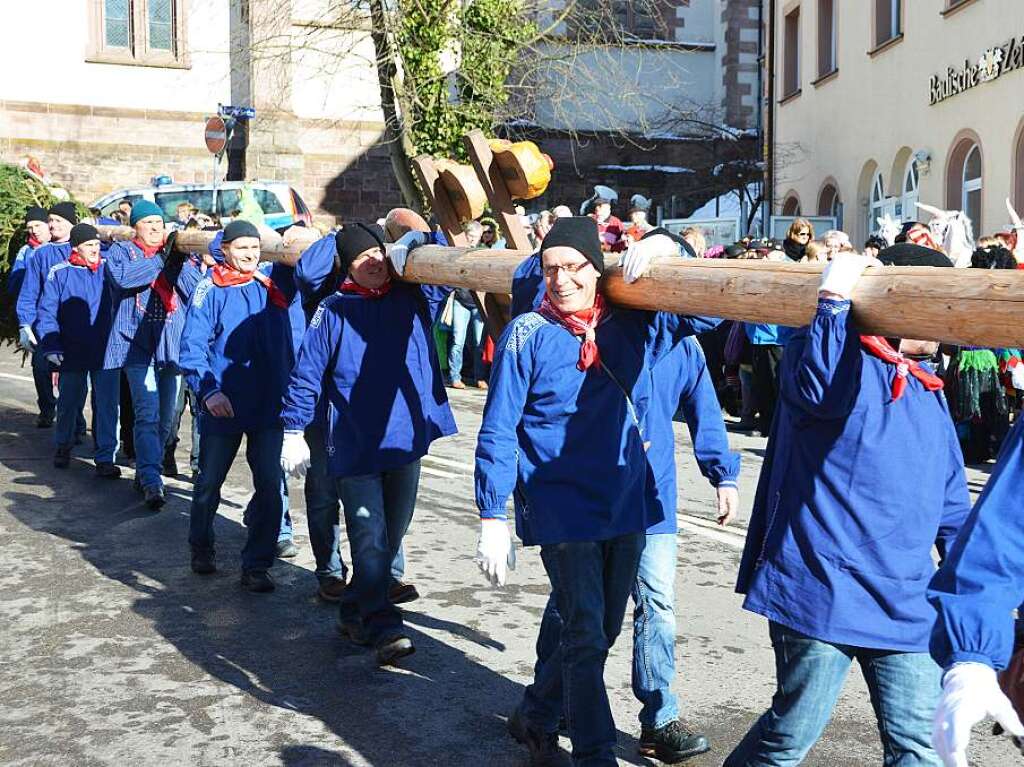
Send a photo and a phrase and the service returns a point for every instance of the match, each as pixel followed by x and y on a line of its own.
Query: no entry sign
pixel 216 135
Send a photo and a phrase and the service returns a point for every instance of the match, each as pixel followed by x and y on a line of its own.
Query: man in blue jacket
pixel 368 361
pixel 38 235
pixel 680 379
pixel 60 218
pixel 150 287
pixel 975 592
pixel 862 476
pixel 236 352
pixel 73 322
pixel 565 430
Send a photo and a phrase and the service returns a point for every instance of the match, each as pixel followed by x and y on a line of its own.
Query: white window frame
pixel 970 185
pixel 138 53
pixel 911 191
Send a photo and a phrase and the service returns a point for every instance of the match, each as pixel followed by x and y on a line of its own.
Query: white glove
pixel 970 693
pixel 495 551
pixel 26 338
pixel 842 273
pixel 55 359
pixel 398 252
pixel 294 454
pixel 639 255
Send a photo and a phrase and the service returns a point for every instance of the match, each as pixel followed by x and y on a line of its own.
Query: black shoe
pixel 287 549
pixel 331 589
pixel 107 470
pixel 672 743
pixel 352 631
pixel 44 421
pixel 203 562
pixel 257 581
pixel 544 748
pixel 169 466
pixel 62 458
pixel 154 497
pixel 400 593
pixel 393 648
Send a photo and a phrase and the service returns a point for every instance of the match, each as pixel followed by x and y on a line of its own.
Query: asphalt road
pixel 113 653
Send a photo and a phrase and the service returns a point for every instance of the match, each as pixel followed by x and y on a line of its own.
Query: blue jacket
pixel 569 444
pixel 37 269
pixel 143 333
pixel 74 316
pixel 766 334
pixel 17 274
pixel 374 362
pixel 854 491
pixel 680 378
pixel 238 343
pixel 982 580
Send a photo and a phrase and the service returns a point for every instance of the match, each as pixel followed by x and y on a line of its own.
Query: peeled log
pixel 975 307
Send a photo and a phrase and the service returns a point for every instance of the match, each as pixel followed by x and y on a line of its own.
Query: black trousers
pixel 766 384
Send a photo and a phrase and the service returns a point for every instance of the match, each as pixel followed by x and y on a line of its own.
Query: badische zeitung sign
pixel 991 65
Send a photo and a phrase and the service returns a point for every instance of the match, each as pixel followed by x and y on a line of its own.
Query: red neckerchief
pixel 33 242
pixel 924 238
pixel 161 285
pixel 582 323
pixel 224 276
pixel 877 346
pixel 76 259
pixel 351 286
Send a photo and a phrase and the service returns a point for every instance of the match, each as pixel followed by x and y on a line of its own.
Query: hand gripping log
pixel 977 307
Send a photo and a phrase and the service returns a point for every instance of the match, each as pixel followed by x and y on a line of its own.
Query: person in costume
pixel 368 360
pixel 975 593
pixel 638 226
pixel 679 381
pixel 237 350
pixel 60 219
pixel 565 433
pixel 73 322
pixel 150 287
pixel 609 228
pixel 862 476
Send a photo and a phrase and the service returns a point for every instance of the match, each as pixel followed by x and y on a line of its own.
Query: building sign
pixel 991 65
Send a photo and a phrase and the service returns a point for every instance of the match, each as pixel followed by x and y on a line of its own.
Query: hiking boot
pixel 352 631
pixel 672 743
pixel 169 466
pixel 400 593
pixel 44 421
pixel 107 470
pixel 331 589
pixel 257 581
pixel 287 549
pixel 62 458
pixel 154 498
pixel 543 746
pixel 203 562
pixel 394 648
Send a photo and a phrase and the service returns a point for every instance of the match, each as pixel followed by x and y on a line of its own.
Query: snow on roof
pixel 648 168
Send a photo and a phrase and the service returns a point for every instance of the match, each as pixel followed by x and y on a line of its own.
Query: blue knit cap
pixel 144 209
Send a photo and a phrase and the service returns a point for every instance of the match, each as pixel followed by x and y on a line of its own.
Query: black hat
pixel 905 230
pixel 874 241
pixel 355 238
pixel 65 210
pixel 237 229
pixel 579 233
pixel 83 233
pixel 35 213
pixel 993 257
pixel 908 254
pixel 735 250
pixel 685 247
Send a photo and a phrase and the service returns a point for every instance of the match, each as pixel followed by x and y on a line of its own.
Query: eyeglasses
pixel 803 233
pixel 552 271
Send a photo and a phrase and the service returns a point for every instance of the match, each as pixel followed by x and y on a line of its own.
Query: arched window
pixel 791 207
pixel 970 199
pixel 829 204
pixel 910 193
pixel 876 203
pixel 1018 170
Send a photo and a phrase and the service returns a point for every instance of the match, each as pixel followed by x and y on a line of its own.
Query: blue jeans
pixel 462 320
pixel 654 631
pixel 42 375
pixel 590 584
pixel 322 510
pixel 155 399
pixel 263 454
pixel 72 387
pixel 378 509
pixel 904 689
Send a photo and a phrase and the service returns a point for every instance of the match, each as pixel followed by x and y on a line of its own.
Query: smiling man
pixel 565 433
pixel 237 351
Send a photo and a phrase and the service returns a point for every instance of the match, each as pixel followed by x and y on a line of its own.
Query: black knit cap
pixel 355 238
pixel 35 213
pixel 65 210
pixel 578 233
pixel 908 254
pixel 83 233
pixel 237 229
pixel 685 247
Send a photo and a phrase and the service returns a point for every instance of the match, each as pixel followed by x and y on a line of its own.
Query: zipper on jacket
pixel 770 528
